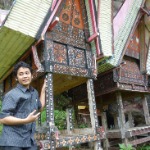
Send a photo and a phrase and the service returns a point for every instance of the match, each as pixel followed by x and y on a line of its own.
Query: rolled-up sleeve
pixel 8 106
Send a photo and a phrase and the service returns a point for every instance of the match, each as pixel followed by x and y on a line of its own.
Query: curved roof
pixel 20 30
pixel 130 9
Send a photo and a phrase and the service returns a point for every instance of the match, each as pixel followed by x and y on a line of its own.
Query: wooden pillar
pixel 131 120
pixel 50 111
pixel 105 125
pixel 69 112
pixel 93 113
pixel 116 121
pixel 146 110
pixel 121 117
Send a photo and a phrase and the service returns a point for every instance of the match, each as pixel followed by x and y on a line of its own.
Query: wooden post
pixel 116 121
pixel 121 117
pixel 50 110
pixel 131 119
pixel 93 113
pixel 105 125
pixel 69 122
pixel 146 110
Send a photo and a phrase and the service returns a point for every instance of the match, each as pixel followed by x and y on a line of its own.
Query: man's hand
pixel 32 117
pixel 11 120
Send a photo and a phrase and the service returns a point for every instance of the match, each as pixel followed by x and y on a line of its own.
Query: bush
pixel 59 118
pixel 124 147
pixel 144 147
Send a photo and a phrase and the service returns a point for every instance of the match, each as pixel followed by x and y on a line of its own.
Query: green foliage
pixel 82 125
pixel 124 147
pixel 43 116
pixel 5 4
pixel 144 147
pixel 1 127
pixel 60 119
pixel 61 101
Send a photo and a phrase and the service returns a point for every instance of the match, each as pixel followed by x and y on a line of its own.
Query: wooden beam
pixel 131 119
pixel 121 114
pixel 53 24
pixel 105 125
pixel 36 60
pixel 140 141
pixel 145 11
pixel 93 37
pixel 91 4
pixel 51 18
pixel 93 113
pixel 53 5
pixel 137 131
pixel 146 110
pixel 111 134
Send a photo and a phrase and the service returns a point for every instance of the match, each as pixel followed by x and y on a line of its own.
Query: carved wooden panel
pixel 68 35
pixel 65 59
pixel 104 84
pixel 59 53
pixel 72 28
pixel 72 13
pixel 76 57
pixel 133 50
pixel 66 49
pixel 130 77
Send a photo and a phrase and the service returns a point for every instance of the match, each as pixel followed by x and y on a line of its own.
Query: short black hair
pixel 19 65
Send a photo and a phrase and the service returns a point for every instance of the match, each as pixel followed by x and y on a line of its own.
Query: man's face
pixel 24 76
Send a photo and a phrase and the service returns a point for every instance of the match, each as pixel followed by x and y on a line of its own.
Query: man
pixel 20 110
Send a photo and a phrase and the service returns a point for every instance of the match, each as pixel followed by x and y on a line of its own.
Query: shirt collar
pixel 24 89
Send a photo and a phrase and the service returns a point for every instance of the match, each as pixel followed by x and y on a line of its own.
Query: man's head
pixel 23 73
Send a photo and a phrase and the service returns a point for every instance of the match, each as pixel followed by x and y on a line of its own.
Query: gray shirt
pixel 19 102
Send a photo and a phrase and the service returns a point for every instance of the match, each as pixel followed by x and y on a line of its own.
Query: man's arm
pixel 10 120
pixel 42 96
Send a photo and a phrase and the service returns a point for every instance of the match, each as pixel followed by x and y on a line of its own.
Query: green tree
pixel 6 4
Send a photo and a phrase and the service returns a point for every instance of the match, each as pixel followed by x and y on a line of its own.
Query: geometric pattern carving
pixel 76 57
pixel 68 141
pixel 66 48
pixel 129 76
pixel 70 70
pixel 64 59
pixel 59 53
pixel 50 110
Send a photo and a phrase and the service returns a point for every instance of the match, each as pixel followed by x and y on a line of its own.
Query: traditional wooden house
pixel 71 41
pixel 53 37
pixel 122 85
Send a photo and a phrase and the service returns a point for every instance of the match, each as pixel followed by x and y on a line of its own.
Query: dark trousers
pixel 17 148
